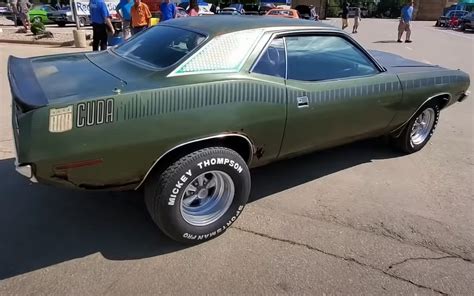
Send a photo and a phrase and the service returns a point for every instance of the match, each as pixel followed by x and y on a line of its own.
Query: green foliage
pixel 390 8
pixel 37 28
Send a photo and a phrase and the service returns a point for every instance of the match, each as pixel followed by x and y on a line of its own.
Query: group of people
pixel 135 16
pixel 345 15
pixel 403 26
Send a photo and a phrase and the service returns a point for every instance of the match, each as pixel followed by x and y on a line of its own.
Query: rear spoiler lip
pixel 25 88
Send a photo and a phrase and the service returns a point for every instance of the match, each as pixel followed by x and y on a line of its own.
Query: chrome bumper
pixel 26 170
pixel 464 96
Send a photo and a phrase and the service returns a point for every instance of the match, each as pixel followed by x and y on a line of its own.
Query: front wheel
pixel 199 196
pixel 419 129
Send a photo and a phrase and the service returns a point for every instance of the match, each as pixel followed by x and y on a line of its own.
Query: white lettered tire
pixel 199 196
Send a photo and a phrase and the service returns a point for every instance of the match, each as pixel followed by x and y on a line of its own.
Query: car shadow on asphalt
pixel 286 174
pixel 41 226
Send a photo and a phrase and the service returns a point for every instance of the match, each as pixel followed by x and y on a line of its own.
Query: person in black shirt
pixel 345 12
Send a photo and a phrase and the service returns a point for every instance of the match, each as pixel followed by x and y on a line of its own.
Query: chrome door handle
pixel 303 102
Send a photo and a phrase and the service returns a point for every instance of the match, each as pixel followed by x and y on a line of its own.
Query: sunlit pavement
pixel 359 219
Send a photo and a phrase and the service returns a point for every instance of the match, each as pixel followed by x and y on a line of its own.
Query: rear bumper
pixel 463 96
pixel 26 170
pixel 23 169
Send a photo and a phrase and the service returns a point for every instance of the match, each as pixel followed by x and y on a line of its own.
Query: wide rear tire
pixel 200 195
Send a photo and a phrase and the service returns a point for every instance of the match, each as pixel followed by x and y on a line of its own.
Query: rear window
pixel 160 46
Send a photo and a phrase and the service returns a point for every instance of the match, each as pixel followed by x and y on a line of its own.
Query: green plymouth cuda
pixel 184 109
pixel 39 13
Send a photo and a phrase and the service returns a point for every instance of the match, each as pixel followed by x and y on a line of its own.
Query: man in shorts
pixel 357 15
pixel 405 19
pixel 23 7
pixel 345 13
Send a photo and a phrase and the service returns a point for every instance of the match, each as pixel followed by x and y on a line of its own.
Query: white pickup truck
pixel 65 16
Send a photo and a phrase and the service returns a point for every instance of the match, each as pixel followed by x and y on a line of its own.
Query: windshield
pixel 160 46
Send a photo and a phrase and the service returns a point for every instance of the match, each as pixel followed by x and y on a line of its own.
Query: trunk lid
pixel 36 82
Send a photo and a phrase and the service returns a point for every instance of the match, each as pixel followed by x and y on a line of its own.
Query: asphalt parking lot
pixel 359 219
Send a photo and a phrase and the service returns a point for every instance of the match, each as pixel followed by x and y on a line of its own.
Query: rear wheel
pixel 199 196
pixel 61 24
pixel 419 129
pixel 82 21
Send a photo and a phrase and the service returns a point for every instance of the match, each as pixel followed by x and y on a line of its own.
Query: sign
pixel 82 6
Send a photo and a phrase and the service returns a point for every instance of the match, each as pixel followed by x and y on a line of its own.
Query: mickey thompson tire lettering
pixel 164 193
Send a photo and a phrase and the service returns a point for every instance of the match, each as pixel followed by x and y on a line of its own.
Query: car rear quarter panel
pixel 148 123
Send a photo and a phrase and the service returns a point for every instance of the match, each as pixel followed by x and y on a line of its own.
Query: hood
pixel 398 64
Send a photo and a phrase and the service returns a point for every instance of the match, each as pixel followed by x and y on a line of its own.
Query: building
pixel 430 10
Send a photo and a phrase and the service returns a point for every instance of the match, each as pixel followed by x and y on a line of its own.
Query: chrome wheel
pixel 207 198
pixel 422 126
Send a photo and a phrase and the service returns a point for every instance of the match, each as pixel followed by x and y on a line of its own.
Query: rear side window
pixel 273 61
pixel 316 58
pixel 160 46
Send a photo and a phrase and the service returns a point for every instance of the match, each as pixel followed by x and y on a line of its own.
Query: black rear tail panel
pixel 26 91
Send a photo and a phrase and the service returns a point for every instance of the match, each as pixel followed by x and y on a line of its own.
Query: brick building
pixel 430 10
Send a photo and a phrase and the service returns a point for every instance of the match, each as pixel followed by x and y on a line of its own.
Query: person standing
pixel 357 15
pixel 405 19
pixel 100 19
pixel 123 10
pixel 345 13
pixel 168 10
pixel 23 7
pixel 141 17
pixel 193 8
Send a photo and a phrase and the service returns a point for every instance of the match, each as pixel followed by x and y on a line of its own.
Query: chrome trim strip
pixel 223 135
pixel 418 109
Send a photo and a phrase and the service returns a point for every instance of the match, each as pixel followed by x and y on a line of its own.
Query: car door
pixel 336 93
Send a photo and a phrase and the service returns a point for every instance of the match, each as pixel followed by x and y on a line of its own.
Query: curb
pixel 38 42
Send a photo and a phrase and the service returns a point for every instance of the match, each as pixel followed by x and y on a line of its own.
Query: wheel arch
pixel 442 98
pixel 235 141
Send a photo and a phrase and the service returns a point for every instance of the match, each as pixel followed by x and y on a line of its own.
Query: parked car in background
pixel 443 21
pixel 265 7
pixel 39 13
pixel 64 16
pixel 5 9
pixel 7 12
pixel 251 9
pixel 283 13
pixel 467 22
pixel 306 12
pixel 239 7
pixel 230 11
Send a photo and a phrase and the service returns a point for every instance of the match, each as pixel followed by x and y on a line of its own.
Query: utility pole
pixel 74 12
